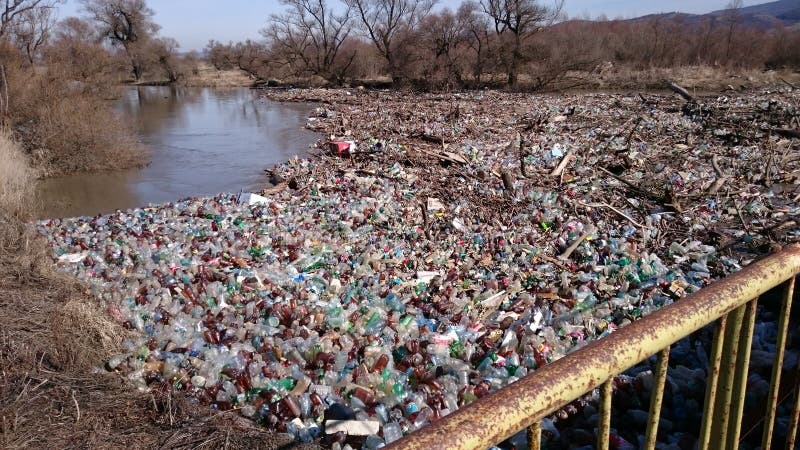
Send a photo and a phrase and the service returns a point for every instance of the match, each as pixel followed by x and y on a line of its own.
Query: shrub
pixel 65 127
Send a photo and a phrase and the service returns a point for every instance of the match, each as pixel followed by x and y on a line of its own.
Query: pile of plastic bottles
pixel 332 299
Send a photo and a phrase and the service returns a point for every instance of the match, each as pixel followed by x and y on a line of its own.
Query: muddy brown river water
pixel 202 141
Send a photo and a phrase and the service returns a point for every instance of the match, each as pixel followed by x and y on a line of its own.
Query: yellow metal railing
pixel 731 302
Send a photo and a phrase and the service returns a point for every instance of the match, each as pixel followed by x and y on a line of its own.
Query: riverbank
pixel 479 236
pixel 604 78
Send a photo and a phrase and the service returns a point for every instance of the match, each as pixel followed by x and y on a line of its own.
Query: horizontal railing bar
pixel 502 414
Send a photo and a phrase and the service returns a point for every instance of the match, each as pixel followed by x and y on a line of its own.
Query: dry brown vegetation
pixel 59 109
pixel 65 128
pixel 53 336
pixel 205 75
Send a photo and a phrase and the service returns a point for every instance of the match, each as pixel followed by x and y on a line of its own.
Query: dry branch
pixel 721 177
pixel 562 165
pixel 568 252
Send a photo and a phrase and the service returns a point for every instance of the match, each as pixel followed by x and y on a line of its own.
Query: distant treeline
pixel 491 42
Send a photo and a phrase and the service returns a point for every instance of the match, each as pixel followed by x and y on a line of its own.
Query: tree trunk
pixel 136 68
pixel 3 95
pixel 512 77
pixel 513 68
pixel 137 71
pixel 394 70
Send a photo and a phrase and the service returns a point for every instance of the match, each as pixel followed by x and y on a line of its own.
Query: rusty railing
pixel 731 302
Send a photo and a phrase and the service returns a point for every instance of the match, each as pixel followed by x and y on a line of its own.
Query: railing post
pixel 656 399
pixel 535 436
pixel 722 406
pixel 739 387
pixel 791 431
pixel 712 383
pixel 604 427
pixel 777 366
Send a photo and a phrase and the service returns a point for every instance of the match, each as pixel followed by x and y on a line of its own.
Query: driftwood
pixel 508 181
pixel 612 208
pixel 666 201
pixel 425 223
pixel 562 165
pixel 522 169
pixel 275 189
pixel 274 177
pixel 3 92
pixel 568 252
pixel 680 91
pixel 721 177
pixel 432 138
pixel 517 145
pixel 445 156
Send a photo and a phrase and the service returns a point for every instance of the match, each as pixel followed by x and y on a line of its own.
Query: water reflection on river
pixel 202 141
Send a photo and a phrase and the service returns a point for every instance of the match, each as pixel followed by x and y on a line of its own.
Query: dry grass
pixel 53 336
pixel 701 79
pixel 14 174
pixel 205 75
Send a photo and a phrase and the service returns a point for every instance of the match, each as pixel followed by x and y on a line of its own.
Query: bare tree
pixel 522 19
pixel 388 23
pixel 77 50
pixel 12 10
pixel 477 37
pixel 444 35
pixel 311 35
pixel 163 51
pixel 731 18
pixel 702 48
pixel 251 57
pixel 220 55
pixel 32 29
pixel 128 23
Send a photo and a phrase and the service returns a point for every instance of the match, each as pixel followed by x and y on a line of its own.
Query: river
pixel 201 141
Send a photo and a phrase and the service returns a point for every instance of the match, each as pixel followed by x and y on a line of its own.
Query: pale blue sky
pixel 194 22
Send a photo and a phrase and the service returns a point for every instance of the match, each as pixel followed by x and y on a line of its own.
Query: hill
pixel 764 15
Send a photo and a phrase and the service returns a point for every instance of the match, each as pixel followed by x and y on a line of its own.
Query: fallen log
pixel 787 132
pixel 680 91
